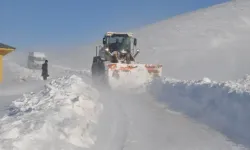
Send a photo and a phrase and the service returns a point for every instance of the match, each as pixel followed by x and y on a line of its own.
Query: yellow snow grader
pixel 115 66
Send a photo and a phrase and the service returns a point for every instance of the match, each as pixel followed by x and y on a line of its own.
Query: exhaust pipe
pixel 96 49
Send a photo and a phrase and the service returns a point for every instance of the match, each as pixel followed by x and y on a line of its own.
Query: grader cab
pixel 115 62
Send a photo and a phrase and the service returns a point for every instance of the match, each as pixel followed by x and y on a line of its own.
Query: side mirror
pixel 104 41
pixel 135 41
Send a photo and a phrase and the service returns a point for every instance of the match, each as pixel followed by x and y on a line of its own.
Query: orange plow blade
pixel 132 75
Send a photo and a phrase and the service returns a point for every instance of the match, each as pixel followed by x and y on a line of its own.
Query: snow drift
pixel 224 106
pixel 57 117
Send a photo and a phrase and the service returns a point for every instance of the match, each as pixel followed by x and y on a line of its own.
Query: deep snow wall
pixel 59 116
pixel 224 106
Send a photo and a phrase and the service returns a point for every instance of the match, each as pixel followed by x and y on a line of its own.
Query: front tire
pixel 98 71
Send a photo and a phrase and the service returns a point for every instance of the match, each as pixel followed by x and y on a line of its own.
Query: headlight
pixel 123 51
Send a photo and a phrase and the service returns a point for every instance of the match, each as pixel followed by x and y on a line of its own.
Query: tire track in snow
pixel 125 126
pixel 112 128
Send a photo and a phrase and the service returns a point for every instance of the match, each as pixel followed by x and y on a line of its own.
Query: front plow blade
pixel 129 76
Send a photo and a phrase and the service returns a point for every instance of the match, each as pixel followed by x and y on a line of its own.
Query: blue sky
pixel 58 23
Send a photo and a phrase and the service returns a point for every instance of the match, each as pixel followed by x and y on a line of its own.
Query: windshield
pixel 38 58
pixel 119 42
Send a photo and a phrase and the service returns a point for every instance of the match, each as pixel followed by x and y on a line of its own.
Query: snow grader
pixel 115 66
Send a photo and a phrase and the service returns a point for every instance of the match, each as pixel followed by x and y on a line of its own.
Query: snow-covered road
pixel 136 122
pixel 129 120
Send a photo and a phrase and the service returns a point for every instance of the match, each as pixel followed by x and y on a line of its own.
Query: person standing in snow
pixel 45 70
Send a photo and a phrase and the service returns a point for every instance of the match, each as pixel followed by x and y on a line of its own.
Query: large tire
pixel 98 72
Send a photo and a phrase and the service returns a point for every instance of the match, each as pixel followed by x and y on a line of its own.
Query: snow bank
pixel 224 106
pixel 57 117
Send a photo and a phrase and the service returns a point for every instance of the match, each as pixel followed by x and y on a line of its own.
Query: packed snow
pixel 56 117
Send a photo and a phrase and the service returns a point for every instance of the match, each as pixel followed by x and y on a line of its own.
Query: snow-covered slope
pixel 212 42
pixel 56 117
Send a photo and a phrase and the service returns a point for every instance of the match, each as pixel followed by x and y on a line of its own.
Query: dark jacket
pixel 45 69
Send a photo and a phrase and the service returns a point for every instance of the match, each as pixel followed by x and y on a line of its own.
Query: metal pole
pixel 96 51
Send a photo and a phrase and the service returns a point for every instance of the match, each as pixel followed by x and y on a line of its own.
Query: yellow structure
pixel 4 50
